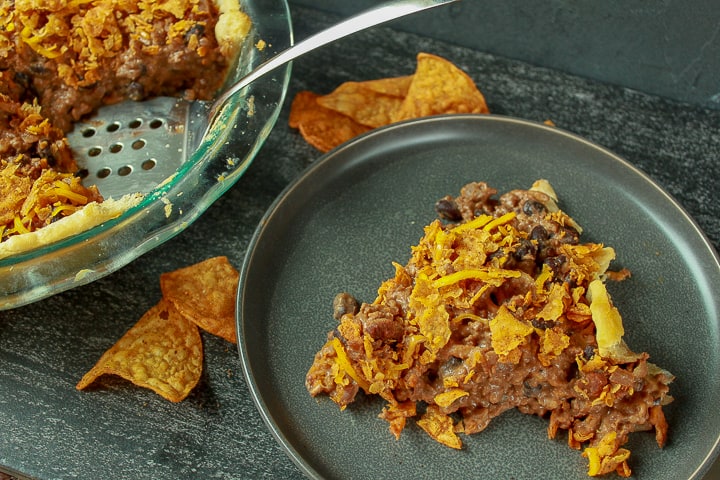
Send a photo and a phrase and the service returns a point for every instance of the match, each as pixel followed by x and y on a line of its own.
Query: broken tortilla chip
pixel 395 86
pixel 365 106
pixel 440 427
pixel 371 103
pixel 303 108
pixel 440 87
pixel 205 294
pixel 436 87
pixel 321 127
pixel 162 351
pixel 326 135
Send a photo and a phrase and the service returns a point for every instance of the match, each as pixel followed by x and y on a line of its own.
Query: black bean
pixel 556 264
pixel 344 303
pixel 539 234
pixel 541 324
pixel 531 390
pixel 447 208
pixel 39 69
pixel 22 79
pixel 526 249
pixel 497 254
pixel 44 150
pixel 135 91
pixel 569 235
pixel 532 207
pixel 196 29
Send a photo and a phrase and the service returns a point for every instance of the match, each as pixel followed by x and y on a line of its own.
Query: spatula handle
pixel 370 18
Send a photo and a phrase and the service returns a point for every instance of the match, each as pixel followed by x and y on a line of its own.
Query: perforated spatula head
pixel 132 147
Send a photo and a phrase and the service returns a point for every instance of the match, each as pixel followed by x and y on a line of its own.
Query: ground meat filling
pixel 494 311
pixel 60 54
pixel 61 61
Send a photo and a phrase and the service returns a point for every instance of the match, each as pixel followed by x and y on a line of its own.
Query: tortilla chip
pixel 162 351
pixel 447 398
pixel 440 87
pixel 371 103
pixel 396 414
pixel 329 134
pixel 365 106
pixel 605 457
pixel 321 127
pixel 14 189
pixel 436 87
pixel 431 316
pixel 440 427
pixel 508 332
pixel 395 86
pixel 303 108
pixel 205 293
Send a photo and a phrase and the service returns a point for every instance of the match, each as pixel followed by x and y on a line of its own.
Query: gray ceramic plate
pixel 360 207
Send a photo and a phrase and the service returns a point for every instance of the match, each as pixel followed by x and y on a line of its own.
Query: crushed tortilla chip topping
pixel 507 332
pixel 34 191
pixel 82 33
pixel 500 306
pixel 28 204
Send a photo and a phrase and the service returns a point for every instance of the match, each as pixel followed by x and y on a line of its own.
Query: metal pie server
pixel 132 147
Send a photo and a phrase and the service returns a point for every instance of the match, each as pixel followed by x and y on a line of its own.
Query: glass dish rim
pixel 271 22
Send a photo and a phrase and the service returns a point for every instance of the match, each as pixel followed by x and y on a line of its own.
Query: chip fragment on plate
pixel 162 351
pixel 440 427
pixel 205 294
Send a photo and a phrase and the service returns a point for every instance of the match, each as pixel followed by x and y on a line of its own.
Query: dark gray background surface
pixel 669 48
pixel 49 430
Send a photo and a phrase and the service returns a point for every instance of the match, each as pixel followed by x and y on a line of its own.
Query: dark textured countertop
pixel 50 430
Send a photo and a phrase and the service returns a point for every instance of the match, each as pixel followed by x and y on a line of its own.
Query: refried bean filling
pixel 500 306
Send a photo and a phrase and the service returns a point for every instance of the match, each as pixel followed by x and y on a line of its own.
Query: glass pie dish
pixel 219 161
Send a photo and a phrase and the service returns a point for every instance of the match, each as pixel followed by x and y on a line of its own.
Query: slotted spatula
pixel 133 146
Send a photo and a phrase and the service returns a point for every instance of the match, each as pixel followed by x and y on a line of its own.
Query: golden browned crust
pixel 60 61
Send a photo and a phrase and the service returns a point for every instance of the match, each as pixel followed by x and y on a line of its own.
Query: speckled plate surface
pixel 360 207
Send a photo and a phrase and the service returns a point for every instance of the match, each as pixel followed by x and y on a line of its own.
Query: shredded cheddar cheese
pixel 83 32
